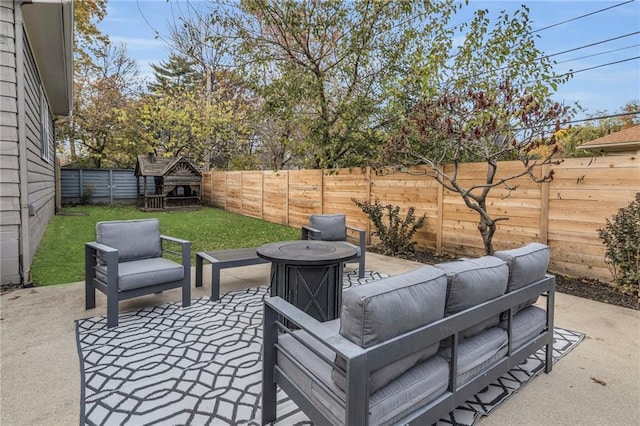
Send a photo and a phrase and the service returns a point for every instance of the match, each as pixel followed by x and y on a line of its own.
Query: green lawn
pixel 60 258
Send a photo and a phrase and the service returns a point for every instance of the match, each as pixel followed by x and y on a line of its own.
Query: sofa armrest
pixel 315 328
pixel 357 393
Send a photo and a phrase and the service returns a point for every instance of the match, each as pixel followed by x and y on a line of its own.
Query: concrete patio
pixel 598 383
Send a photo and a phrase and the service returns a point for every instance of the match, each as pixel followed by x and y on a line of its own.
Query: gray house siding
pixel 40 172
pixel 9 169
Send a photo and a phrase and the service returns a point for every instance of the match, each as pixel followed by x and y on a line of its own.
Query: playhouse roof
pixel 150 165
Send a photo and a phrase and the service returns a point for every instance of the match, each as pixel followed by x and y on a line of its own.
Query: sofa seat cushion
pixel 146 272
pixel 527 265
pixel 332 227
pixel 527 324
pixel 471 282
pixel 134 239
pixel 477 353
pixel 416 387
pixel 376 312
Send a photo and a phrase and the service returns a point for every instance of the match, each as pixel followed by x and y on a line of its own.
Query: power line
pixel 582 16
pixel 587 45
pixel 622 114
pixel 598 54
pixel 599 66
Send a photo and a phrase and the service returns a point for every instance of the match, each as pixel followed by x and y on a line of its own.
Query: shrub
pixel 621 235
pixel 395 233
pixel 87 194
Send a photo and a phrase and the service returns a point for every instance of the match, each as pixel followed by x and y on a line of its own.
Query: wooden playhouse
pixel 167 183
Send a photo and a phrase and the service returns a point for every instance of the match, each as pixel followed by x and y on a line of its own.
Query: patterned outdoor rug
pixel 201 365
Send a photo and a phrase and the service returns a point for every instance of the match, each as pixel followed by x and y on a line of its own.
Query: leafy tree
pixel 101 90
pixel 486 100
pixel 319 66
pixel 87 39
pixel 187 123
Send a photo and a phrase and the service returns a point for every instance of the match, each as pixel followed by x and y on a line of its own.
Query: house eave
pixel 620 146
pixel 49 27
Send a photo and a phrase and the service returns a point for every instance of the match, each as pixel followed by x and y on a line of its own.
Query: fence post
pixel 440 222
pixel 321 191
pixel 369 183
pixel 110 187
pixel 81 183
pixel 544 206
pixel 287 198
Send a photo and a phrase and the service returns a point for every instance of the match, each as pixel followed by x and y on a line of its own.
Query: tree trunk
pixel 487 228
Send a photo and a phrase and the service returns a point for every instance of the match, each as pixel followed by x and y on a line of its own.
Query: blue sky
pixel 607 88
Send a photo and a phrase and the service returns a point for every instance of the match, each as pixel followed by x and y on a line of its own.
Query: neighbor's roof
pixel 160 165
pixel 627 139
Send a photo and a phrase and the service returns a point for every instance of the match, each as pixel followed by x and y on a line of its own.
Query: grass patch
pixel 60 258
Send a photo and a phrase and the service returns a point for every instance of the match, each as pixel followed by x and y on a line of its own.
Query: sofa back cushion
pixel 332 227
pixel 134 239
pixel 471 282
pixel 376 312
pixel 526 264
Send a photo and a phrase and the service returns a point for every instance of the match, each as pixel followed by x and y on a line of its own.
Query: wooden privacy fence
pixel 565 213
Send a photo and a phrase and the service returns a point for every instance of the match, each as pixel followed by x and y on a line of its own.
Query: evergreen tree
pixel 178 72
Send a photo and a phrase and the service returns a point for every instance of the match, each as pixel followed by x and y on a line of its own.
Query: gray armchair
pixel 333 227
pixel 126 261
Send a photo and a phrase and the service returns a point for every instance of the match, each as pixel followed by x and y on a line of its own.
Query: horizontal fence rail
pixel 565 213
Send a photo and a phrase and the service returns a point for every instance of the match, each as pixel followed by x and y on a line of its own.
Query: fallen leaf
pixel 598 381
pixel 13 298
pixel 33 292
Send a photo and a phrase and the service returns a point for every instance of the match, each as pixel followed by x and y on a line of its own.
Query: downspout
pixel 25 235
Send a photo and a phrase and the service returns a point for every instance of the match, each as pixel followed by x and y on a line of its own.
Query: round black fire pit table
pixel 308 274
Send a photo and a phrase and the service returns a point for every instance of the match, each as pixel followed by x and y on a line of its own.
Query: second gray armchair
pixel 333 227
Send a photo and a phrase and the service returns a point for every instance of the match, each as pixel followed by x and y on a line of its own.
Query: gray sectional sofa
pixel 411 348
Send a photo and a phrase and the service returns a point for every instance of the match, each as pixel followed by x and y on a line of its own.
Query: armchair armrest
pixel 309 233
pixel 185 253
pixel 101 247
pixel 186 245
pixel 108 254
pixel 362 236
pixel 174 240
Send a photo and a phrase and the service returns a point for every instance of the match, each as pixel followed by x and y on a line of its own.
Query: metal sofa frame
pixel 361 362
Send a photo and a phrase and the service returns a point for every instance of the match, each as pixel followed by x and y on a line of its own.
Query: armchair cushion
pixel 146 272
pixel 134 239
pixel 374 313
pixel 332 227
